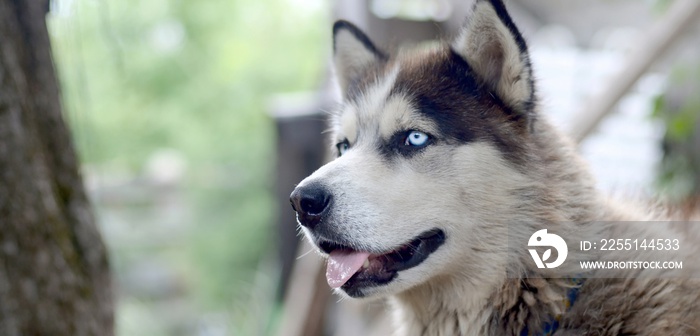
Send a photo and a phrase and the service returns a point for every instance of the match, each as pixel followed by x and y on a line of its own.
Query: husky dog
pixel 441 155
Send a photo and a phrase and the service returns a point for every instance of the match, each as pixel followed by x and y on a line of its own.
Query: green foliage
pixel 680 168
pixel 193 77
pixel 210 86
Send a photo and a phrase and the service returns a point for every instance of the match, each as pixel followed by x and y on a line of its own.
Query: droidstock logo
pixel 543 239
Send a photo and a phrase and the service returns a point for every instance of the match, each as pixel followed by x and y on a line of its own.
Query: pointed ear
pixel 353 53
pixel 497 53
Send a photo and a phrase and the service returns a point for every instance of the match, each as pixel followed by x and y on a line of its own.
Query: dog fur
pixel 491 167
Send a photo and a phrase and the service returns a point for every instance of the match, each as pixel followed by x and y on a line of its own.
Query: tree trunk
pixel 54 272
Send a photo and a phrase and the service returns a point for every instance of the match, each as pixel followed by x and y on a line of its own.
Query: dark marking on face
pixel 444 88
pixel 396 145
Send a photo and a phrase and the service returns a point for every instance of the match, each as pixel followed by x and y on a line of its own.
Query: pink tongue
pixel 342 265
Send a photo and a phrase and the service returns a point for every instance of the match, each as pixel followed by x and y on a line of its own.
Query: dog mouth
pixel 353 270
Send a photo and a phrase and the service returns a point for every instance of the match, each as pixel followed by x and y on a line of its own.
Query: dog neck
pixel 505 307
pixel 444 307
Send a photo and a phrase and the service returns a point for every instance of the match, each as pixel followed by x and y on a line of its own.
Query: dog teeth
pixel 365 264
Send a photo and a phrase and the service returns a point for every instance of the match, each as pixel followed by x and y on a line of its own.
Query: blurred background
pixel 194 120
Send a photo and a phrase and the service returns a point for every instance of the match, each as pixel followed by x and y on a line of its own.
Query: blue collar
pixel 552 325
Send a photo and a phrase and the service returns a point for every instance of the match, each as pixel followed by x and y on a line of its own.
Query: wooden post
pixel 651 47
pixel 301 149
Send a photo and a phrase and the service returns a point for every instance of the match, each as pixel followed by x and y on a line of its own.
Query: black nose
pixel 311 203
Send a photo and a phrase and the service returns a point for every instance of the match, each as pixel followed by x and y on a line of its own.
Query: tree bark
pixel 54 271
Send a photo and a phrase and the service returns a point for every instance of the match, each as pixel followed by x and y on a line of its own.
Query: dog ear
pixel 353 53
pixel 497 53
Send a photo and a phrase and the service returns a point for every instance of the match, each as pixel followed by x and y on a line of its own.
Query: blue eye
pixel 416 138
pixel 342 147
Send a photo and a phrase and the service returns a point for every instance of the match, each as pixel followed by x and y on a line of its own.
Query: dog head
pixel 431 147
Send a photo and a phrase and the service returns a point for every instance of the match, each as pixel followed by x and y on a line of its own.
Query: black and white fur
pixel 491 166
